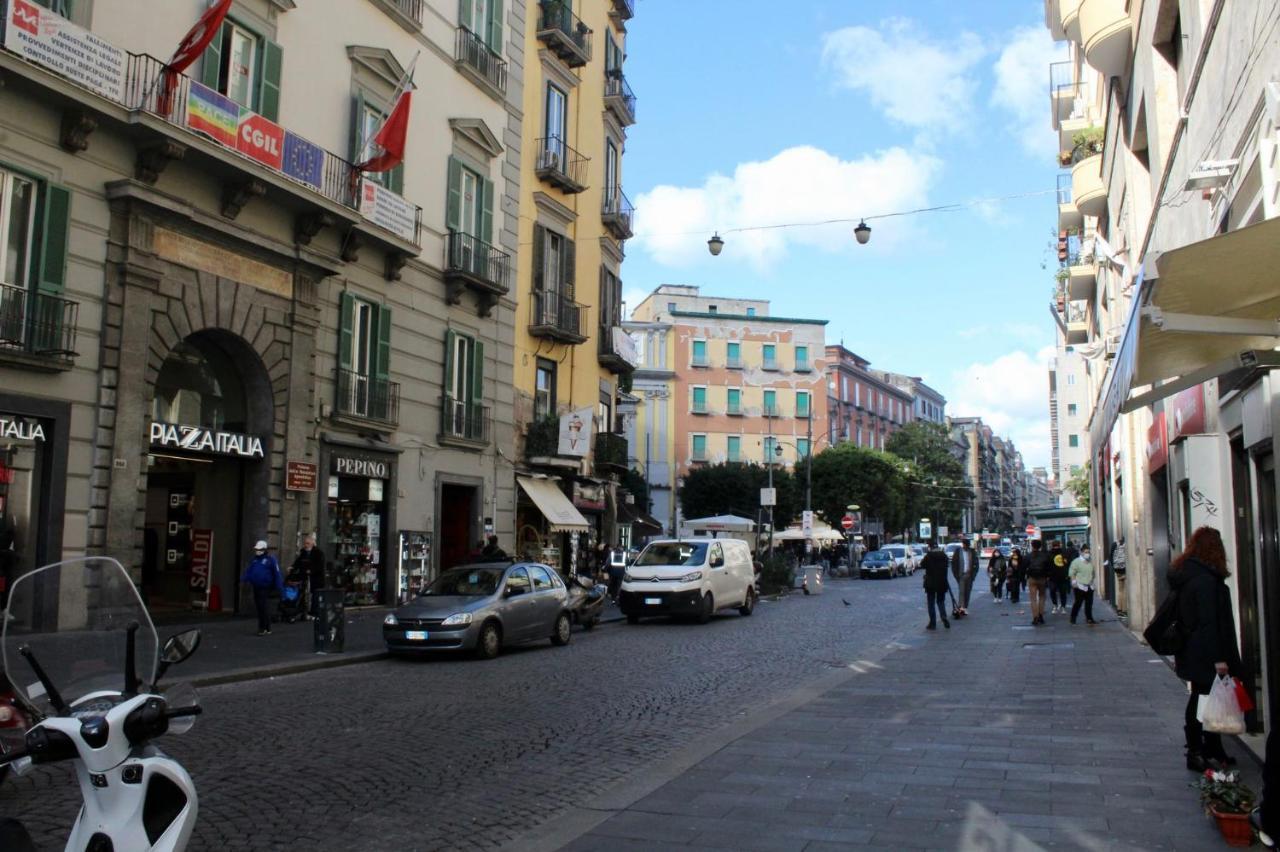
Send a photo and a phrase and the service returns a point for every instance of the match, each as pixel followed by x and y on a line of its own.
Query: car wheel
pixel 708 609
pixel 748 605
pixel 489 645
pixel 563 631
pixel 633 619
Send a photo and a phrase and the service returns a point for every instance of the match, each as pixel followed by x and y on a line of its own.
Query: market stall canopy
pixel 818 534
pixel 553 505
pixel 1200 311
pixel 721 523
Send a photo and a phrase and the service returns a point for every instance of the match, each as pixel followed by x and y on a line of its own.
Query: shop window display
pixel 356 514
pixel 20 463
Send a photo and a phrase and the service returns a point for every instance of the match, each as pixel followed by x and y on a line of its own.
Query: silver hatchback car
pixel 482 608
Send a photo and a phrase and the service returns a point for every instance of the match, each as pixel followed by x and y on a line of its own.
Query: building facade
pixel 215 329
pixel 926 403
pixel 652 438
pixel 571 353
pixel 866 407
pixel 1174 173
pixel 1070 403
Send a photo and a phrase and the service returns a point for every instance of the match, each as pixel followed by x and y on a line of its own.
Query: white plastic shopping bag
pixel 1219 711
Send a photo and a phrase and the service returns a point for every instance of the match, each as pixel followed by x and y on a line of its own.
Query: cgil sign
pixel 201 440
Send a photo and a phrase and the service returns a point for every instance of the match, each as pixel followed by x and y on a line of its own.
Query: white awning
pixel 721 523
pixel 553 505
pixel 1199 311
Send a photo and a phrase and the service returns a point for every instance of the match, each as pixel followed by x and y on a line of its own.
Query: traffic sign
pixel 806 522
pixel 768 496
pixel 1031 530
pixel 926 529
pixel 846 522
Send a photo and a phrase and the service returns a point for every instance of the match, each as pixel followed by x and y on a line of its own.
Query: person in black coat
pixel 935 584
pixel 1017 575
pixel 310 563
pixel 1208 628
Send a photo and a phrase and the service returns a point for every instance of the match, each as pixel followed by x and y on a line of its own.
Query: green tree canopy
pixel 733 488
pixel 936 487
pixel 1078 485
pixel 872 479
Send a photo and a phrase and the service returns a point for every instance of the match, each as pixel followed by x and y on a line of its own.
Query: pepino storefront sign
pixel 198 439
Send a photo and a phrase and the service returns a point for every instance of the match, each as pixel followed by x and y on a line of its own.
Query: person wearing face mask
pixel 263 574
pixel 1081 575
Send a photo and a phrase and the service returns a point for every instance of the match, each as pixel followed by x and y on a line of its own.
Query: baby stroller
pixel 290 608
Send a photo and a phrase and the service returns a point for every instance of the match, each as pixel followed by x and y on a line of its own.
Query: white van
pixel 689 576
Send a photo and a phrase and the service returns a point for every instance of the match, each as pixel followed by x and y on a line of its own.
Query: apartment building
pixel 214 328
pixel 652 436
pixel 927 404
pixel 866 407
pixel 572 355
pixel 1176 293
pixel 1069 406
pixel 744 386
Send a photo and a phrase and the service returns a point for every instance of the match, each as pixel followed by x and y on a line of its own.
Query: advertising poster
pixel 575 433
pixel 201 566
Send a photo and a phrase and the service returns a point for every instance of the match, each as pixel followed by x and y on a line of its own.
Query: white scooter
pixel 80 628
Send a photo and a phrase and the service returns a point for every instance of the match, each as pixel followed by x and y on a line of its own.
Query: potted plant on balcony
pixel 1228 800
pixel 1086 143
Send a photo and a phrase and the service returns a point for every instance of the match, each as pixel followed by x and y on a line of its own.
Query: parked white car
pixel 904 561
pixel 691 577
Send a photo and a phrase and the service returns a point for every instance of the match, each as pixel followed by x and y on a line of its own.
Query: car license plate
pixel 653 601
pixel 415 635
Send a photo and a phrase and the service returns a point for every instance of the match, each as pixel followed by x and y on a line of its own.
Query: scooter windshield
pixel 74 616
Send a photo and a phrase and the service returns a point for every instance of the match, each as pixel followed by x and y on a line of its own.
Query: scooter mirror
pixel 180 646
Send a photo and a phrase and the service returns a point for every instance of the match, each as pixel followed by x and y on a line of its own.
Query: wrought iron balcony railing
pixel 617 212
pixel 37 324
pixel 564 33
pixel 477 263
pixel 611 451
pixel 618 97
pixel 557 317
pixel 463 420
pixel 473 53
pixel 367 397
pixel 560 165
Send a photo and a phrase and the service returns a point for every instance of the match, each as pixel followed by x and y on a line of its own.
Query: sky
pixel 754 113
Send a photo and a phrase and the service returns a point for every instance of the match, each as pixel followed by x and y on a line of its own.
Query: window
pixel 1071 379
pixel 802 448
pixel 557 123
pixel 770 449
pixel 712 309
pixel 699 353
pixel 544 391
pixel 245 67
pixel 463 386
pixel 671 307
pixel 770 356
pixel 857 394
pixel 734 400
pixel 541 579
pixel 34 227
pixel 734 444
pixel 802 359
pixel 699 400
pixel 364 354
pixel 484 18
pixel 733 354
pixel 751 312
pixel 518 581
pixel 802 403
pixel 1073 440
pixel 1071 409
pixel 770 403
pixel 553 275
pixel 61 7
pixel 469 211
pixel 17 224
pixel 699 447
pixel 367 118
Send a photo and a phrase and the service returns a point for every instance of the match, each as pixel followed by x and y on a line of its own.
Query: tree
pixel 733 488
pixel 872 479
pixel 633 481
pixel 1078 485
pixel 936 488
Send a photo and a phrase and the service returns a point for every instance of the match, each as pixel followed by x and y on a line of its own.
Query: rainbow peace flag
pixel 213 114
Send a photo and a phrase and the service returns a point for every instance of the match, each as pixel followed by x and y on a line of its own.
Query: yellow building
pixel 570 350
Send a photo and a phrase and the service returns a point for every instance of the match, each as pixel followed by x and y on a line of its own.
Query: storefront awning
pixel 1199 311
pixel 553 505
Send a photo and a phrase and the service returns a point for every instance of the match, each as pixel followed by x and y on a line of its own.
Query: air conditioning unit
pixel 551 160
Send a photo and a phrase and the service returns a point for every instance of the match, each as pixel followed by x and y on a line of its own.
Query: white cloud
pixel 632 297
pixel 915 81
pixel 1022 87
pixel 1011 395
pixel 800 184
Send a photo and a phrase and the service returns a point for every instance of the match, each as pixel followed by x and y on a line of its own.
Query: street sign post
pixel 846 523
pixel 942 532
pixel 806 522
pixel 768 496
pixel 926 529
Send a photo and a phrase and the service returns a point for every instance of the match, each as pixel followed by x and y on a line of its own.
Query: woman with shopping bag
pixel 1208 627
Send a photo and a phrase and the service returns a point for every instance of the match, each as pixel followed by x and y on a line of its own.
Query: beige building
pixel 214 330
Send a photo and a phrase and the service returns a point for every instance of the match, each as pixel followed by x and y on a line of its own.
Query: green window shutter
pixel 567 264
pixel 346 313
pixel 56 228
pixel 770 401
pixel 395 179
pixel 477 372
pixel 450 343
pixel 269 89
pixel 357 114
pixel 464 14
pixel 382 355
pixel 699 398
pixel 494 36
pixel 539 247
pixel 486 210
pixel 211 61
pixel 453 198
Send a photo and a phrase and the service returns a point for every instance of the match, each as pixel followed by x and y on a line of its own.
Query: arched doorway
pixel 207 471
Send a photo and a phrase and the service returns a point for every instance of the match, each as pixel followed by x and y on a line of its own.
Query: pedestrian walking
pixel 309 563
pixel 1081 573
pixel 1039 566
pixel 1266 817
pixel 997 573
pixel 1208 628
pixel 964 564
pixel 263 574
pixel 1017 575
pixel 616 569
pixel 936 585
pixel 1059 582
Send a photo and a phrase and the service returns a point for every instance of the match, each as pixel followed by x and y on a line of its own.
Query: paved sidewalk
pixel 991 735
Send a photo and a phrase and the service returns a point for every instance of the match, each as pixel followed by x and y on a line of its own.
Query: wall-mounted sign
pixel 346 464
pixel 1187 410
pixel 387 210
pixel 575 433
pixel 14 429
pixel 198 439
pixel 50 40
pixel 260 139
pixel 300 476
pixel 588 496
pixel 201 565
pixel 302 161
pixel 1157 444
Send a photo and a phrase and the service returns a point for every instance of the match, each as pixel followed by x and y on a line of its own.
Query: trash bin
pixel 329 622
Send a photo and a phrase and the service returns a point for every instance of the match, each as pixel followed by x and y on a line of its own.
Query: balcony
pixel 37 330
pixel 734 409
pixel 616 351
pixel 1082 277
pixel 1087 189
pixel 733 363
pixel 564 33
pixel 1077 322
pixel 557 317
pixel 542 444
pixel 618 97
pixel 1105 35
pixel 768 410
pixel 803 367
pixel 367 399
pixel 610 453
pixel 560 165
pixel 473 263
pixel 464 423
pixel 624 10
pixel 407 13
pixel 616 213
pixel 770 364
pixel 1068 214
pixel 476 59
pixel 1062 91
pixel 1069 15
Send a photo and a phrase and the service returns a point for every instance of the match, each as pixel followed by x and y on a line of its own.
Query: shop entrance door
pixel 458 536
pixel 1246 573
pixel 1269 547
pixel 1160 535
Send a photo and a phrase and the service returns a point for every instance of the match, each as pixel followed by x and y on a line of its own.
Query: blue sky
pixel 758 113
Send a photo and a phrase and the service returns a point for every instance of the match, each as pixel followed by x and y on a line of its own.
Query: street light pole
pixel 768 460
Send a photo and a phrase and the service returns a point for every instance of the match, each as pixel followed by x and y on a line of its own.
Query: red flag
pixel 390 138
pixel 199 36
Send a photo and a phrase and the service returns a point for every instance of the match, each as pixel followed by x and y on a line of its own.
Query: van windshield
pixel 673 553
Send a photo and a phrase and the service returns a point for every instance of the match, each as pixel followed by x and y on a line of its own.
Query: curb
pixel 261 673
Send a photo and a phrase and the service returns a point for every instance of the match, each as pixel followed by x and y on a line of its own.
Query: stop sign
pixel 847 522
pixel 1031 529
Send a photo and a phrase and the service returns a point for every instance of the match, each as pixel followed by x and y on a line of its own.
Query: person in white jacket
pixel 1080 573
